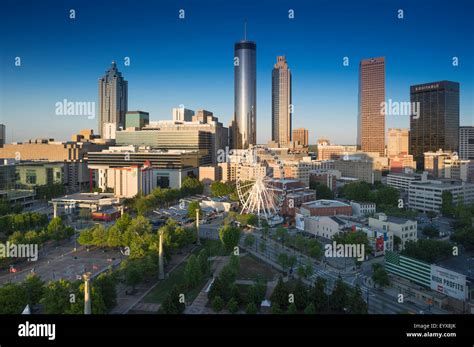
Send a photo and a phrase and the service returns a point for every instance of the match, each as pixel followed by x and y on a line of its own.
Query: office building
pixel 181 114
pixel 300 136
pixel 281 103
pixel 466 142
pixel 326 151
pixel 398 140
pixel 405 229
pixel 205 134
pixel 436 126
pixel 113 102
pixel 245 94
pixel 371 118
pixel 171 167
pixel 426 195
pixel 137 119
pixel 402 181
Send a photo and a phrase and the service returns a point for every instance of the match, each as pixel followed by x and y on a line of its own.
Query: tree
pixel 191 186
pixel 99 236
pixel 114 237
pixel 379 275
pixel 315 250
pixel 357 305
pixel 34 288
pixel 301 295
pixel 464 237
pixel 322 190
pixel 282 234
pixel 283 260
pixel 219 189
pixel 430 251
pixel 173 303
pixel 192 272
pixel 291 309
pixel 276 309
pixel 318 296
pixel 229 236
pixel 310 309
pixel 249 240
pixel 106 284
pixel 192 208
pixel 339 298
pixel 133 274
pixel 203 261
pixel 358 191
pixel 13 298
pixel 397 241
pixel 251 308
pixel 86 238
pixel 217 304
pixel 280 294
pixel 58 296
pixel 233 305
pixel 430 231
pixel 300 271
pixel 447 203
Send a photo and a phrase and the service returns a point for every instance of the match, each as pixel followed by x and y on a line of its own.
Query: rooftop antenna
pixel 245 29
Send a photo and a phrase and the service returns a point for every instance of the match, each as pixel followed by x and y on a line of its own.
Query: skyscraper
pixel 371 119
pixel 281 102
pixel 113 102
pixel 245 94
pixel 2 135
pixel 436 126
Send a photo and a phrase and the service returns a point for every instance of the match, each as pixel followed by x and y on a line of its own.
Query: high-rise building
pixel 371 119
pixel 397 141
pixel 113 101
pixel 301 135
pixel 245 94
pixel 181 114
pixel 466 142
pixel 281 102
pixel 436 125
pixel 2 135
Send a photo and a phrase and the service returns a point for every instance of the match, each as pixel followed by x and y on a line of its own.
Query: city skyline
pixel 323 88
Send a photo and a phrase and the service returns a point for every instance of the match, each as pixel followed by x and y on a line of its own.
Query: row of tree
pixel 56 230
pixel 58 297
pixel 161 197
pixel 295 297
pixel 23 222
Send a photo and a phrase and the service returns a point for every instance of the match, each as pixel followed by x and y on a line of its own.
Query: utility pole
pixel 87 293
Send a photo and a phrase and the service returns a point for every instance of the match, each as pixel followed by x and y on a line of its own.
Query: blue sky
pixel 190 61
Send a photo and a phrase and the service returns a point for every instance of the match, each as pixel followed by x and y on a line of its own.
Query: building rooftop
pixel 324 203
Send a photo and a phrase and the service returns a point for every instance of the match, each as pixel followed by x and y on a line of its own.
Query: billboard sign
pixel 448 282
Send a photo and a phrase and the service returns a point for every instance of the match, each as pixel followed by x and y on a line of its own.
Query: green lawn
pixel 176 277
pixel 251 268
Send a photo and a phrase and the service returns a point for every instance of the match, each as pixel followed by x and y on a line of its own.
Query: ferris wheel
pixel 257 172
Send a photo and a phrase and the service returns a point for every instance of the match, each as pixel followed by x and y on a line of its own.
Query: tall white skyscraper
pixel 113 101
pixel 281 102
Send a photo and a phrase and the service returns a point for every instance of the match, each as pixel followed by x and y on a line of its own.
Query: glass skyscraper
pixel 245 94
pixel 281 102
pixel 437 124
pixel 113 100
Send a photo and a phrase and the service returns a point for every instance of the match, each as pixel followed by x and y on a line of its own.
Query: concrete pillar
pixel 161 268
pixel 55 209
pixel 87 293
pixel 197 227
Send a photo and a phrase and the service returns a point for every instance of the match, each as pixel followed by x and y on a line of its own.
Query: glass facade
pixel 245 94
pixel 437 124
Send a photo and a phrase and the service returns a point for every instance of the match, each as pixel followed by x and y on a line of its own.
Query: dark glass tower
pixel 437 126
pixel 245 94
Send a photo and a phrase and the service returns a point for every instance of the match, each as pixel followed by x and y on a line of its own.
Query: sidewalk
pixel 199 304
